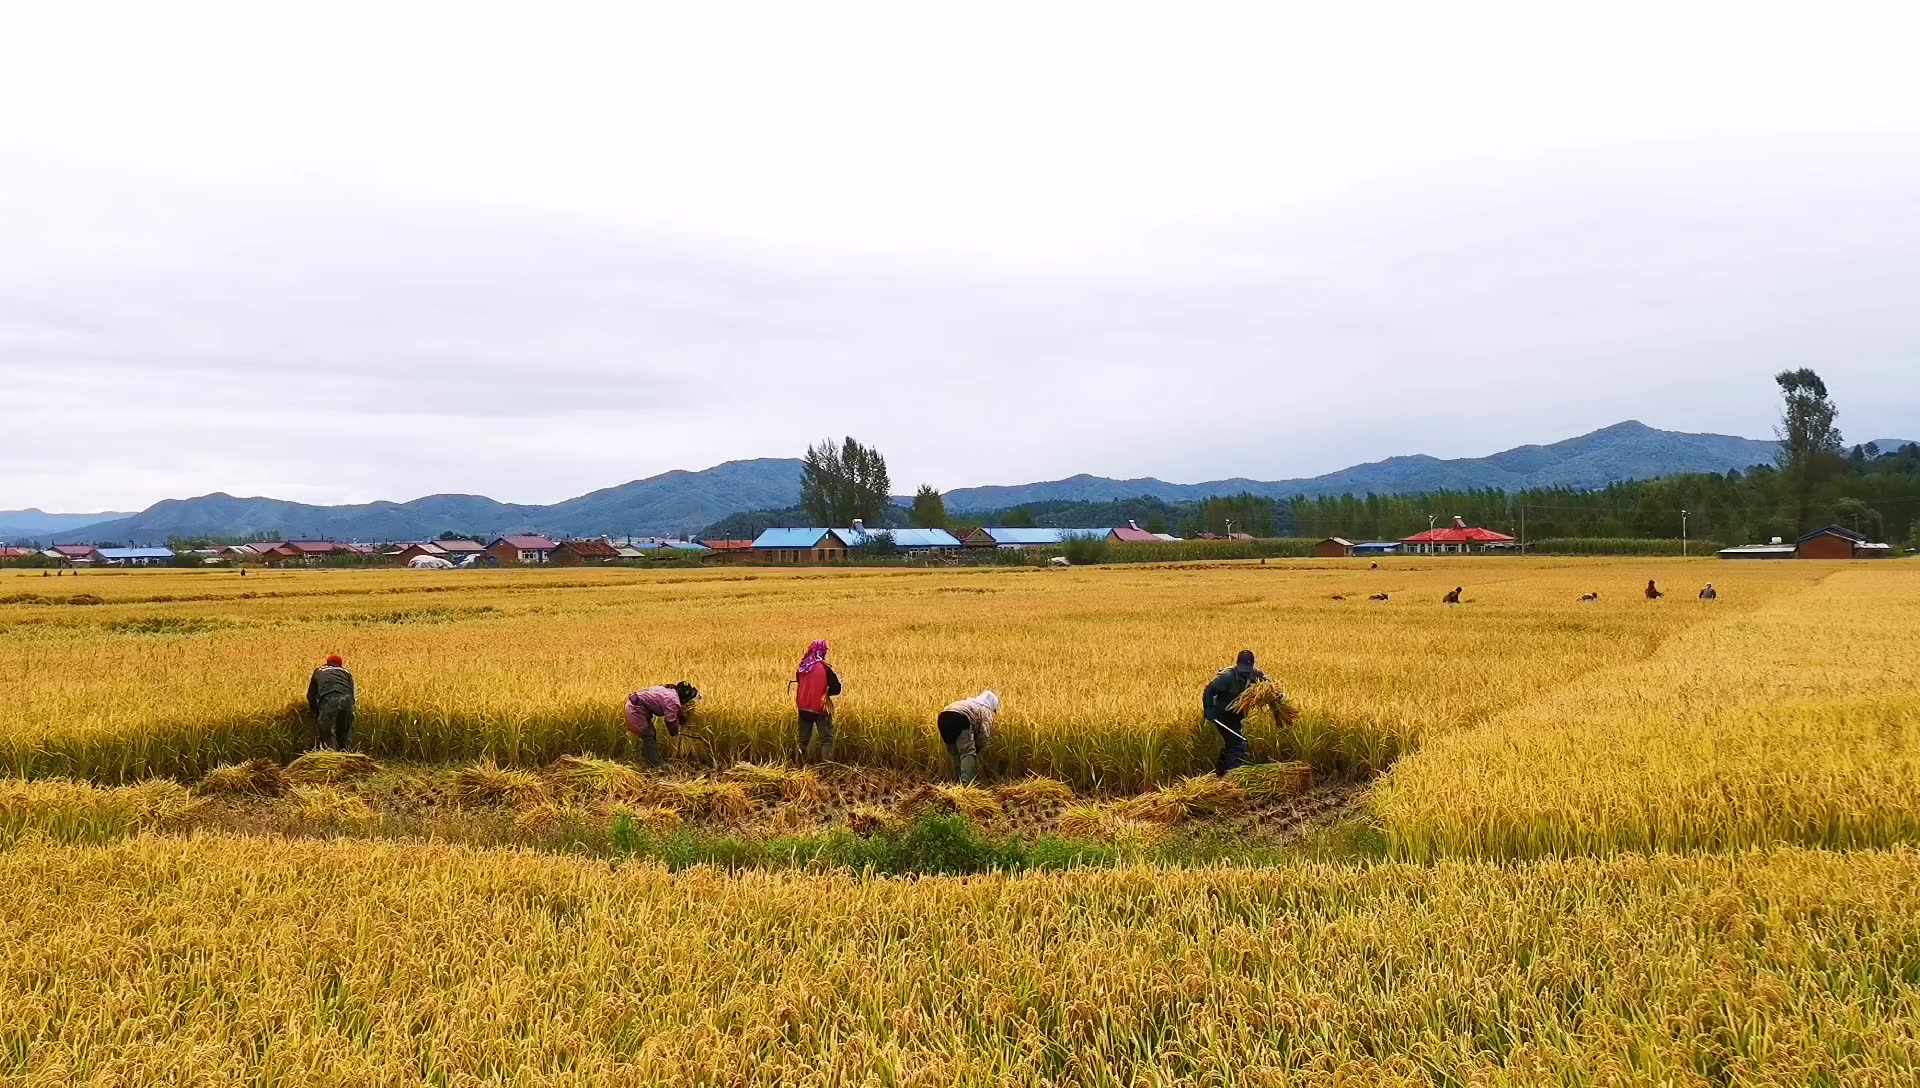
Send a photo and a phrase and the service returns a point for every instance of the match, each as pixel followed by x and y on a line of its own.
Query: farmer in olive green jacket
pixel 330 701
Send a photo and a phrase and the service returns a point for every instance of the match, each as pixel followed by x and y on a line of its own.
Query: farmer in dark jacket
pixel 330 701
pixel 1221 691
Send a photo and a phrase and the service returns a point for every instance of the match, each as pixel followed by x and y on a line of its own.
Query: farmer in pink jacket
pixel 670 704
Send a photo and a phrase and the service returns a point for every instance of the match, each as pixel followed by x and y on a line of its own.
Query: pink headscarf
pixel 816 653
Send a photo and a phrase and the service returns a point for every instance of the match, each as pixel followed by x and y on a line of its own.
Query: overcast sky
pixel 346 252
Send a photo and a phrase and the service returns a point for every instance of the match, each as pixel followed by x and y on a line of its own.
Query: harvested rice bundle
pixel 329 806
pixel 594 777
pixel 970 801
pixel 1262 781
pixel 326 765
pixel 1268 694
pixel 1099 823
pixel 1201 795
pixel 158 803
pixel 487 784
pixel 654 819
pixel 258 777
pixel 723 802
pixel 761 781
pixel 871 820
pixel 1037 790
pixel 771 782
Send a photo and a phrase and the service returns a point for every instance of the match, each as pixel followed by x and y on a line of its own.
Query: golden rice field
pixel 1628 842
pixel 1100 670
pixel 212 962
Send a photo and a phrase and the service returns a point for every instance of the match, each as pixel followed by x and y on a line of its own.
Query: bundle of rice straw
pixel 1266 693
pixel 596 777
pixel 260 777
pixel 487 783
pixel 324 765
pixel 1037 790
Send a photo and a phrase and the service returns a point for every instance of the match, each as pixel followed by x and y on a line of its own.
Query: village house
pixel 301 552
pixel 1456 539
pixel 821 545
pixel 135 557
pixel 1826 542
pixel 576 553
pixel 77 554
pixel 522 550
pixel 1022 537
pixel 1132 533
pixel 1333 547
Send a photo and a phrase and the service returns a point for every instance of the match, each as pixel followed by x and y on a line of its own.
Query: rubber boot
pixel 650 749
pixel 826 752
pixel 969 769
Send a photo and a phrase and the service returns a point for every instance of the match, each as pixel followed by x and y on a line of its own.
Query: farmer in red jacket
pixel 670 704
pixel 814 686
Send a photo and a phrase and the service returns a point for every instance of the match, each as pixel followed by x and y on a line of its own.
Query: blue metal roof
pixel 136 553
pixel 1836 530
pixel 902 538
pixel 1011 535
pixel 687 546
pixel 790 538
pixel 1378 546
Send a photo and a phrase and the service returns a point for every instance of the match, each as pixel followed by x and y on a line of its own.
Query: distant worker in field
pixel 1709 593
pixel 672 705
pixel 1588 598
pixel 965 727
pixel 1217 702
pixel 1652 593
pixel 814 686
pixel 330 700
pixel 1453 595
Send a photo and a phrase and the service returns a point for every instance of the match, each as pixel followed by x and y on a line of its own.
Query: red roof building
pixel 574 553
pixel 1456 539
pixel 515 550
pixel 76 553
pixel 1132 533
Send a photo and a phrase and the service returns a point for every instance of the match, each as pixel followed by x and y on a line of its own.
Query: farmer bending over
pixel 814 686
pixel 670 704
pixel 964 728
pixel 1217 700
pixel 330 701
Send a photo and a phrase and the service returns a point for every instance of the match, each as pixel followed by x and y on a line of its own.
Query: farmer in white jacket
pixel 964 728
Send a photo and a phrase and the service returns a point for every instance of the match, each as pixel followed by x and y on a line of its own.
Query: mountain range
pixel 681 501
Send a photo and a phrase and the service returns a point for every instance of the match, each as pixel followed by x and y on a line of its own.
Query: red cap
pixel 334 659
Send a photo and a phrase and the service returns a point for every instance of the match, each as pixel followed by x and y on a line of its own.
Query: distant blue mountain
pixel 682 501
pixel 1624 451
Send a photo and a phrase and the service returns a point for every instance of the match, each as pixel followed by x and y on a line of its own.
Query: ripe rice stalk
pixel 773 782
pixel 591 776
pixel 488 784
pixel 1035 790
pixel 255 777
pixel 1109 824
pixel 1266 781
pixel 1267 694
pixel 326 765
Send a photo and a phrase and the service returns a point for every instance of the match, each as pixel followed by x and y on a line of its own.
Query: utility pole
pixel 1683 534
pixel 1431 518
pixel 1229 528
pixel 1523 528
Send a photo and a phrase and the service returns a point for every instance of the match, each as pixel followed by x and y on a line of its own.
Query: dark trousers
pixel 1233 750
pixel 809 721
pixel 334 716
pixel 956 732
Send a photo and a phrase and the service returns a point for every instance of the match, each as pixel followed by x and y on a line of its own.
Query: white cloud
pixel 380 252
